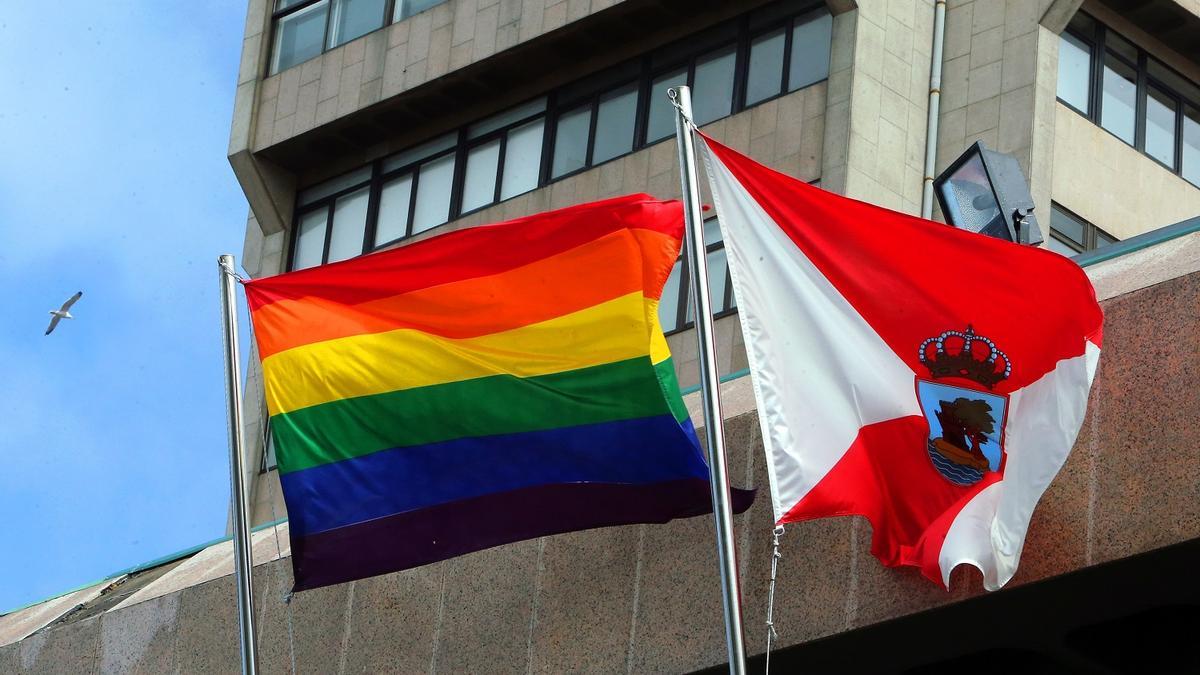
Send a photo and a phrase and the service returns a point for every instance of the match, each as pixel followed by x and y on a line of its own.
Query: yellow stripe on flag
pixel 364 365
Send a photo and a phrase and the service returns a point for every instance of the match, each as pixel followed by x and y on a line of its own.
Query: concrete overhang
pixel 1175 23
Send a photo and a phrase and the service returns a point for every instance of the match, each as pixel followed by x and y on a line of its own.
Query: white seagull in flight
pixel 61 312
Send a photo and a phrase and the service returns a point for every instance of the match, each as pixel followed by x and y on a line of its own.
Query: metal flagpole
pixel 241 525
pixel 710 391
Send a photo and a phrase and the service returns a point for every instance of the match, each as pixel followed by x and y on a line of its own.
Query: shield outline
pixel 981 394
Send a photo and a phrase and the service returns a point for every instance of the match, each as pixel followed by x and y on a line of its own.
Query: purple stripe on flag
pixel 436 533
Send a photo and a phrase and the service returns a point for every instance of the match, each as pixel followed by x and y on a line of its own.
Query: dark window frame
pixel 265 464
pixel 328 202
pixel 413 168
pixel 1098 51
pixel 1091 233
pixel 642 71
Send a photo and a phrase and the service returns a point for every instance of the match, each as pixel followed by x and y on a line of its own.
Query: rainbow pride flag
pixel 478 388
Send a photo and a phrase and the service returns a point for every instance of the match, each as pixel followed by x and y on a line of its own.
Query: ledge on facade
pixel 499 81
pixel 1173 24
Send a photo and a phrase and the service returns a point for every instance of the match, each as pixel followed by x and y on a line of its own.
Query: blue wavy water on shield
pixel 955 473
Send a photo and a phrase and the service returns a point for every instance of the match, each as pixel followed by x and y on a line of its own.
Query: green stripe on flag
pixel 500 404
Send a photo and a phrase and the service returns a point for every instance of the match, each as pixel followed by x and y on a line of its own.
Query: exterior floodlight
pixel 984 191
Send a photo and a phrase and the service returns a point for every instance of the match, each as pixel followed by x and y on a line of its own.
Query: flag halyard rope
pixel 772 634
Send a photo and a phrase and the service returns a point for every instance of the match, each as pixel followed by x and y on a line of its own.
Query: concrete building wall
pixel 878 102
pixel 1112 185
pixel 999 73
pixel 398 58
pixel 999 86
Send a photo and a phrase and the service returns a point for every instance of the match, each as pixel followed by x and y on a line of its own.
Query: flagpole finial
pixel 673 96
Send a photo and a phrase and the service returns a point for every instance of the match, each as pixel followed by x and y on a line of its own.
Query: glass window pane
pixel 507 117
pixel 1120 45
pixel 354 18
pixel 433 193
pixel 570 141
pixel 765 77
pixel 662 118
pixel 298 36
pixel 407 8
pixel 1067 225
pixel 1074 71
pixel 522 159
pixel 349 224
pixel 1173 81
pixel 1191 145
pixel 1083 24
pixel 310 239
pixel 1160 126
pixel 615 118
pixel 689 313
pixel 718 273
pixel 479 185
pixel 1120 99
pixel 322 190
pixel 269 461
pixel 1103 239
pixel 668 306
pixel 712 93
pixel 1059 247
pixel 394 199
pixel 810 52
pixel 423 151
pixel 712 231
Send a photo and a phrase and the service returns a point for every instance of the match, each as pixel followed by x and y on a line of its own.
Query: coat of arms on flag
pixel 966 425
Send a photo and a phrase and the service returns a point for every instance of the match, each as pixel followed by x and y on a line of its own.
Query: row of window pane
pixel 547 138
pixel 1071 235
pixel 1106 78
pixel 303 29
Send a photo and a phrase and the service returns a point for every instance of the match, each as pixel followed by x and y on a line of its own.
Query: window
pixel 599 118
pixel 331 220
pixel 305 28
pixel 299 34
pixel 1071 235
pixel 1119 103
pixel 269 462
pixel 1130 94
pixel 676 308
pixel 1074 72
pixel 415 196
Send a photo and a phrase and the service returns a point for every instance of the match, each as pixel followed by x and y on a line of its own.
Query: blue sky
pixel 114 121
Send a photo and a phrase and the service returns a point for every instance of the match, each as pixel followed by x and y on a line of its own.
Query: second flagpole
pixel 710 389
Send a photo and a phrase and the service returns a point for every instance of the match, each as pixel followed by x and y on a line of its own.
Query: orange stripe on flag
pixel 560 284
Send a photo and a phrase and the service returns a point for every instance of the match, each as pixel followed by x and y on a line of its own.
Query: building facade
pixel 445 115
pixel 367 124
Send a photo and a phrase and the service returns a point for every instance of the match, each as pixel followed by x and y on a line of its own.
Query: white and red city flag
pixel 930 379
